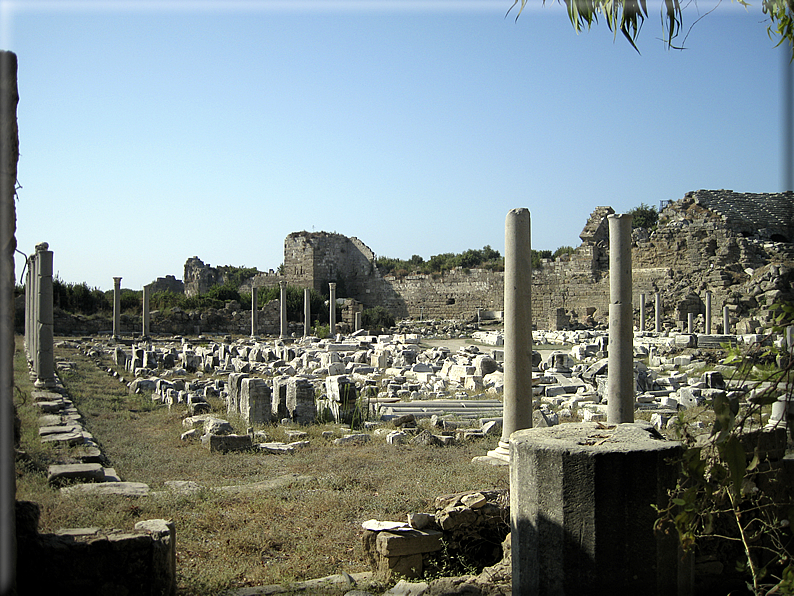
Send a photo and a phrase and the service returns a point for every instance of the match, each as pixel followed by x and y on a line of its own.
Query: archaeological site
pixel 618 420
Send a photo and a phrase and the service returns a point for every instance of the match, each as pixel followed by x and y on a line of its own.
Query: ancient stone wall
pixel 169 283
pixel 720 241
pixel 199 278
pixel 456 294
pixel 315 259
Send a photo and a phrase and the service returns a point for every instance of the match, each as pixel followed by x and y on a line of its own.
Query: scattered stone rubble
pixel 360 380
pixel 467 527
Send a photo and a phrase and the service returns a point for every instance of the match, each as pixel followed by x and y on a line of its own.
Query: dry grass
pixel 300 530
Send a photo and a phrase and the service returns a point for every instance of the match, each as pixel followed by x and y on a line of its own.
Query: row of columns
pixel 307 310
pixel 517 391
pixel 726 315
pixel 39 323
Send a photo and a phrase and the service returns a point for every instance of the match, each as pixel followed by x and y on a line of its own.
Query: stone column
pixel 116 307
pixel 658 312
pixel 9 150
pixel 790 338
pixel 620 377
pixel 31 292
pixel 357 321
pixel 726 320
pixel 282 285
pixel 707 329
pixel 690 322
pixel 254 311
pixel 517 410
pixel 332 308
pixel 307 311
pixel 642 312
pixel 146 295
pixel 45 357
pixel 28 308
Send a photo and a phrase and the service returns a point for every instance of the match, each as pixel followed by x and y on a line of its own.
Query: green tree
pixel 563 250
pixel 644 216
pixel 628 16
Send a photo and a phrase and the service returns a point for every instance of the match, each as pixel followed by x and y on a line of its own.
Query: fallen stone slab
pixel 73 438
pixel 227 442
pixel 332 583
pixel 63 472
pixel 285 481
pixel 276 448
pixel 49 407
pixel 60 429
pixel 129 489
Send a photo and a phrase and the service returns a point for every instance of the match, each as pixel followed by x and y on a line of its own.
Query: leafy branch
pixel 730 488
pixel 628 16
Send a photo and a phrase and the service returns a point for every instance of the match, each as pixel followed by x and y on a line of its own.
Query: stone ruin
pixel 739 246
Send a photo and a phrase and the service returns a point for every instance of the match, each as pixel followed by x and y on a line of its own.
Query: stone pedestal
pixel 581 515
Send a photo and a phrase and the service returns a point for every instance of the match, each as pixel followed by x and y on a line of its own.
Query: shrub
pixel 644 216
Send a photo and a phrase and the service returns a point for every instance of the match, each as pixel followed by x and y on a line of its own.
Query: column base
pixel 497 457
pixel 45 383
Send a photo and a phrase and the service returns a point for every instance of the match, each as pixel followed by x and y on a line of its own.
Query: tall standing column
pixel 9 150
pixel 45 357
pixel 116 307
pixel 254 311
pixel 332 308
pixel 146 295
pixel 658 312
pixel 620 377
pixel 282 285
pixel 307 311
pixel 708 313
pixel 517 409
pixel 726 320
pixel 642 312
pixel 28 308
pixel 31 295
pixel 690 322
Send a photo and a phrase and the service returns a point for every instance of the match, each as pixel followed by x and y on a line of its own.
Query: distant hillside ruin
pixel 737 245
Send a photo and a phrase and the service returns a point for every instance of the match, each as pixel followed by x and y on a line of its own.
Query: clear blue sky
pixel 151 132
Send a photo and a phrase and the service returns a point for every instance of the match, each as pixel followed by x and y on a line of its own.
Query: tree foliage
pixel 79 298
pixel 628 16
pixel 485 258
pixel 644 216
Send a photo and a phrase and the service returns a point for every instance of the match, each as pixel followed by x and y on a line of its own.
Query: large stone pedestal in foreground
pixel 581 515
